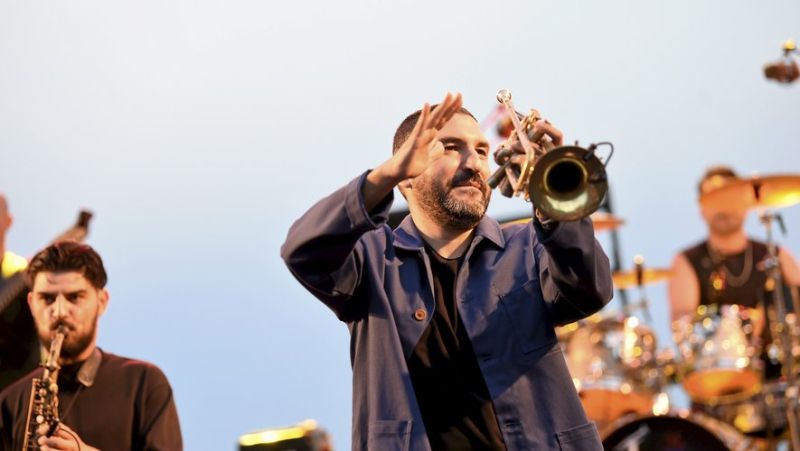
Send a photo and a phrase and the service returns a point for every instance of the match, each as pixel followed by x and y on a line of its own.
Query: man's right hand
pixel 415 155
pixel 422 148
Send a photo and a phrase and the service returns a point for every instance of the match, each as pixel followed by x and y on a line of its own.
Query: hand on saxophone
pixel 63 439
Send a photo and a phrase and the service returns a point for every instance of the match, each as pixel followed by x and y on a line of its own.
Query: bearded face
pixel 725 222
pixel 70 301
pixel 459 203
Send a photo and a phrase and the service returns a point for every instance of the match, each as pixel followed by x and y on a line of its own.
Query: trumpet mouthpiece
pixel 503 96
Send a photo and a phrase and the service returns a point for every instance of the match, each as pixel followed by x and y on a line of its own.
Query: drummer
pixel 727 267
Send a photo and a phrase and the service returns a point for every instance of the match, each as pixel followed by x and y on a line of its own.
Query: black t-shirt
pixel 455 404
pixel 129 406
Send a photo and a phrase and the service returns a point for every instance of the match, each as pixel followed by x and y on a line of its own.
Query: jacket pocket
pixel 581 438
pixel 389 435
pixel 529 318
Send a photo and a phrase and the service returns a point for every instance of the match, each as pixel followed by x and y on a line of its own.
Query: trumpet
pixel 565 183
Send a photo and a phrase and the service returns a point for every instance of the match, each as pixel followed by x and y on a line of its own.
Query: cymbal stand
pixel 773 269
pixel 638 261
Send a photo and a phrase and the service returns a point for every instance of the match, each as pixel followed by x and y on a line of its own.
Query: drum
pixel 719 355
pixel 612 365
pixel 676 431
pixel 762 415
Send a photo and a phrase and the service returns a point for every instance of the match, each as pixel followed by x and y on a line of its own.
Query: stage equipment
pixel 305 436
pixel 43 407
pixel 565 183
pixel 785 70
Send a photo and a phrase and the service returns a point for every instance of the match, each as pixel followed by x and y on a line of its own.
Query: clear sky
pixel 198 131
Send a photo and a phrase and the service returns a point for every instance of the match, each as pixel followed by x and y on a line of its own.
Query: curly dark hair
pixel 405 128
pixel 64 256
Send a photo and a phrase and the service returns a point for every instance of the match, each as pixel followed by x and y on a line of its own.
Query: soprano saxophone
pixel 43 407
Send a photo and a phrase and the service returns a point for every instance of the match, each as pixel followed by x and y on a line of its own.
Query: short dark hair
pixel 64 256
pixel 723 173
pixel 401 135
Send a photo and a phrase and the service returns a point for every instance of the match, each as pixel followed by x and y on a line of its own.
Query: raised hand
pixel 415 155
pixel 422 148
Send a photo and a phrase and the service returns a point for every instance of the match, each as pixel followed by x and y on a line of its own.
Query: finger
pixel 555 134
pixel 423 117
pixel 451 109
pixel 434 121
pixel 56 442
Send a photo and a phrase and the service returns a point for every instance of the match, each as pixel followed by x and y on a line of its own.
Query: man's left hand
pixel 63 439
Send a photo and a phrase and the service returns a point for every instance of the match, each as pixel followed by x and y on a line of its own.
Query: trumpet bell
pixel 568 183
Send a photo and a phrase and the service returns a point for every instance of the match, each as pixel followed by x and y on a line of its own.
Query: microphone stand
pixel 773 269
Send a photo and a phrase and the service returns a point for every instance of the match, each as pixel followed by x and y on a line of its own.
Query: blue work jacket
pixel 515 285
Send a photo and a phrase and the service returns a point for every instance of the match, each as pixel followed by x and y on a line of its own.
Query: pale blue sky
pixel 199 130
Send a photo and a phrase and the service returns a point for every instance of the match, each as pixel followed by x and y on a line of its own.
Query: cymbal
pixel 628 279
pixel 602 221
pixel 773 191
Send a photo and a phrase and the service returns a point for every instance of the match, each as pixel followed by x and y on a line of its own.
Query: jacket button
pixel 420 314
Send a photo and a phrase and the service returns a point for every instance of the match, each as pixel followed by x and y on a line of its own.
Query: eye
pixel 47 298
pixel 450 148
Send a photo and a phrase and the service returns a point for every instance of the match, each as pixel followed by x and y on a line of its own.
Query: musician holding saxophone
pixel 451 316
pixel 84 398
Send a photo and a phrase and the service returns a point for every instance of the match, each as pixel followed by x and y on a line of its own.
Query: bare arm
pixel 683 291
pixel 791 270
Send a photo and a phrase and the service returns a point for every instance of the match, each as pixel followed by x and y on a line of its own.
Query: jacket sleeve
pixel 573 270
pixel 323 248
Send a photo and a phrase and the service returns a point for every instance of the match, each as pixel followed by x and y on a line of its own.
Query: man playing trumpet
pixel 451 316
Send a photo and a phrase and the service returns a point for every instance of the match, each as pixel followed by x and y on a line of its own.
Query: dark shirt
pixel 19 344
pixel 128 406
pixel 748 292
pixel 455 404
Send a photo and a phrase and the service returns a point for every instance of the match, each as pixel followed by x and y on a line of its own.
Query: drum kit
pixel 622 375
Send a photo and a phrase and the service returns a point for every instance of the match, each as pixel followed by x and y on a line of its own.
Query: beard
pixel 74 342
pixel 449 210
pixel 726 224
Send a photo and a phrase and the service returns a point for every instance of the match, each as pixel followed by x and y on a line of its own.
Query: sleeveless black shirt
pixel 730 279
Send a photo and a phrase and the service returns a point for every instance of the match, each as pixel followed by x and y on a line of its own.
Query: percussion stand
pixel 773 268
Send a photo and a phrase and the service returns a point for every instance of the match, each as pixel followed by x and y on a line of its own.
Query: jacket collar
pixel 408 237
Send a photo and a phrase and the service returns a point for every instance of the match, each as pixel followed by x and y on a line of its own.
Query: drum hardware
pixel 565 183
pixel 773 268
pixel 676 430
pixel 613 365
pixel 718 355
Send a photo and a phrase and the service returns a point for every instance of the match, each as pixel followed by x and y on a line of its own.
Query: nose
pixel 59 308
pixel 473 160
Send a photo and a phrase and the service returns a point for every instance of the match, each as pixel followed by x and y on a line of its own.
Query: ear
pixel 102 298
pixel 9 221
pixel 30 300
